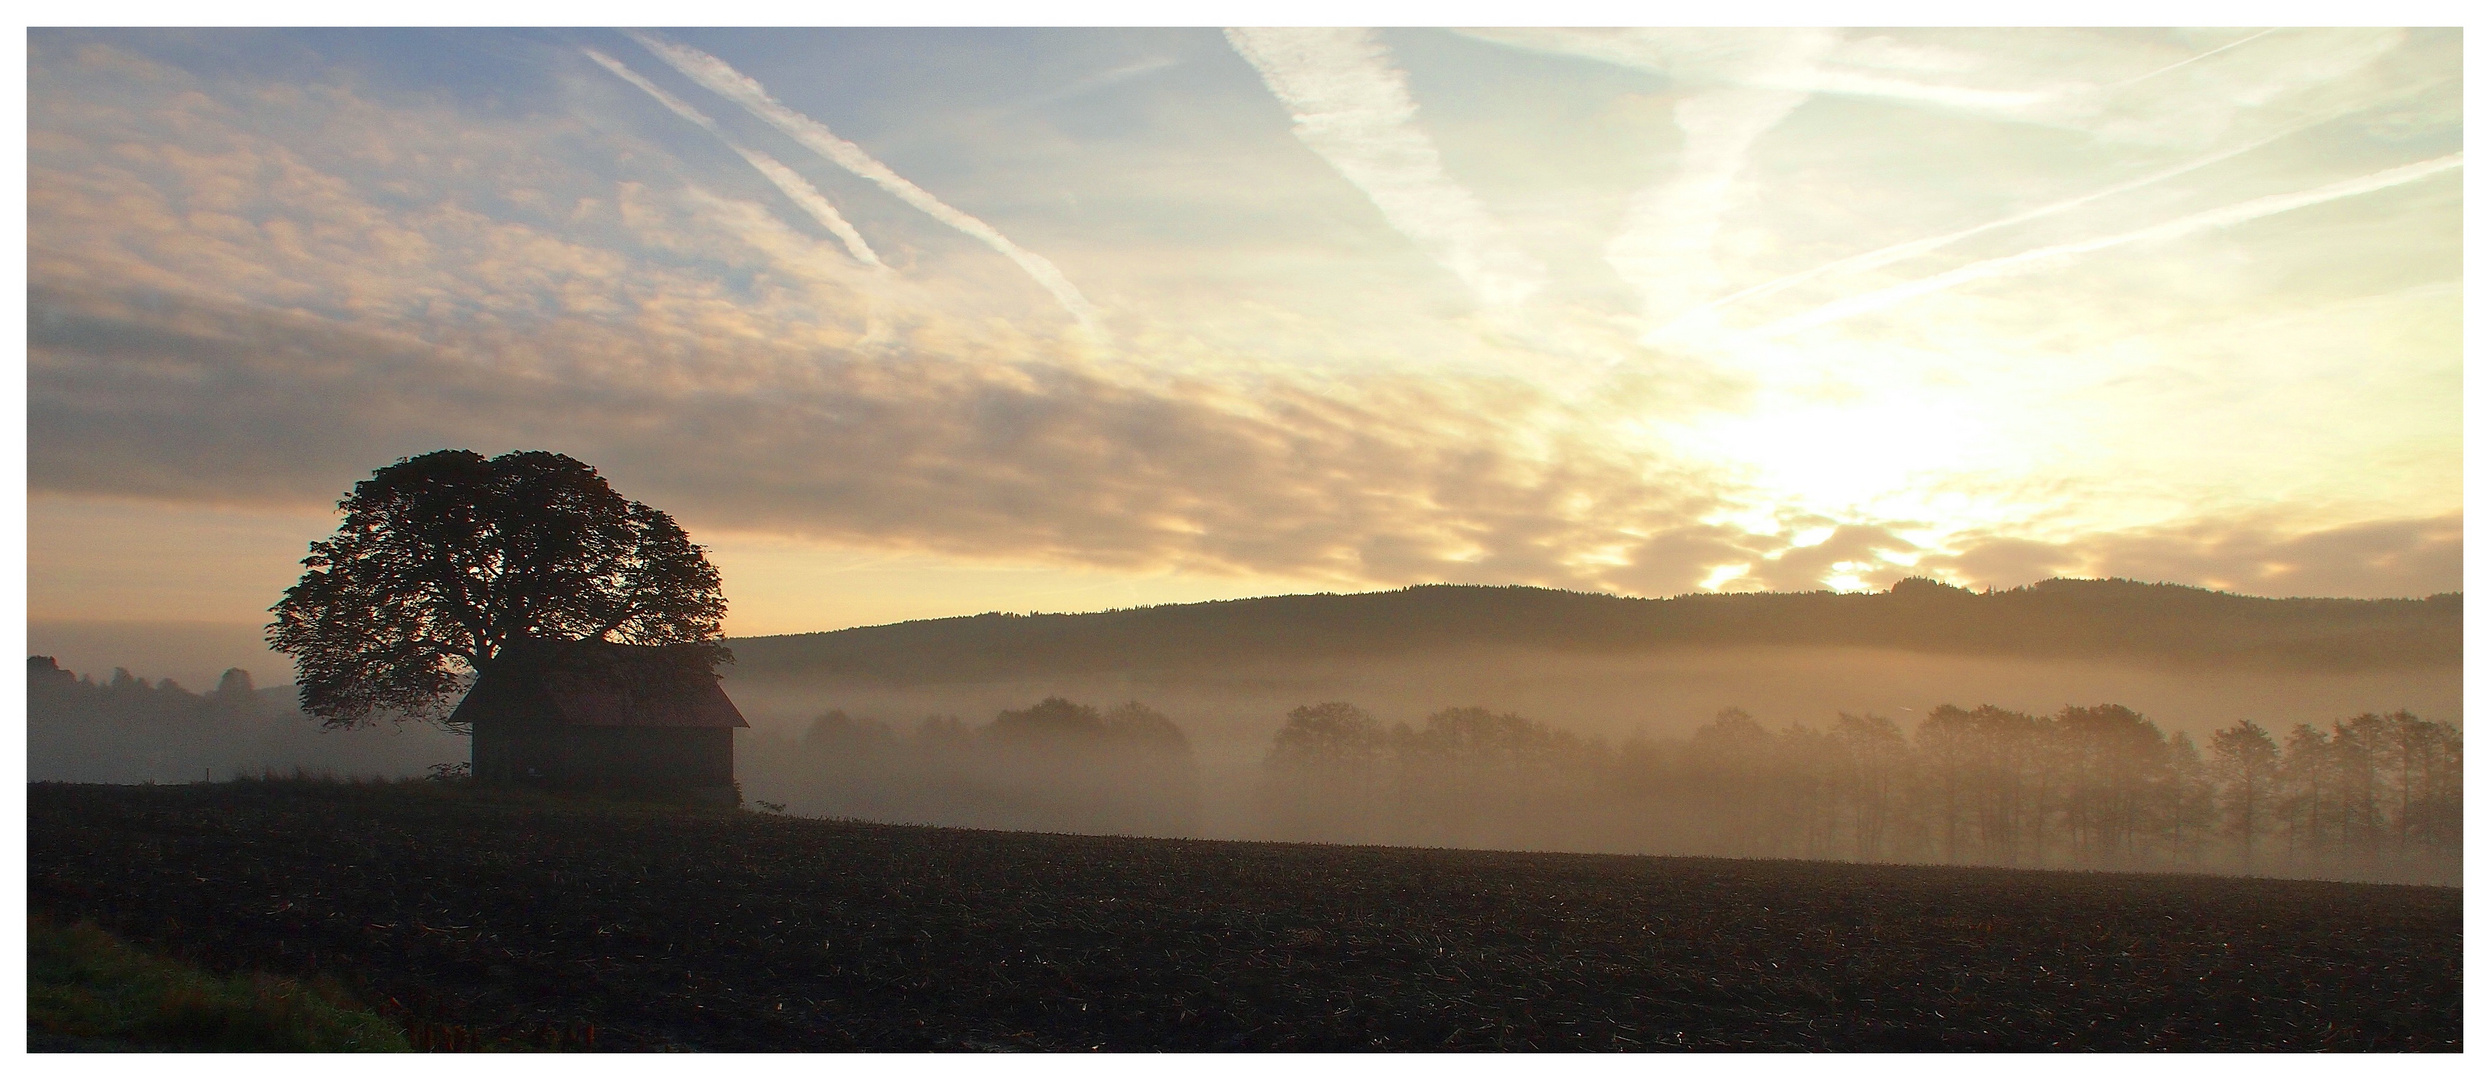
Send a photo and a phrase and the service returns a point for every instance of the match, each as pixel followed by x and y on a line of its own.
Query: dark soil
pixel 485 922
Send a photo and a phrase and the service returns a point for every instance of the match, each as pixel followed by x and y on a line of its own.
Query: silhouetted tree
pixel 443 560
pixel 1141 726
pixel 1731 760
pixel 2117 757
pixel 1876 764
pixel 1061 764
pixel 1474 776
pixel 2358 747
pixel 1323 778
pixel 234 683
pixel 2187 801
pixel 2301 792
pixel 1955 750
pixel 2245 761
pixel 1051 721
pixel 44 673
pixel 2427 767
pixel 1807 774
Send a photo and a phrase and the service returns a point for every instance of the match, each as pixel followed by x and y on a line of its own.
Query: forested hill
pixel 2057 619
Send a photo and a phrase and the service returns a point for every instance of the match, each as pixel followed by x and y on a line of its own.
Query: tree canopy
pixel 443 560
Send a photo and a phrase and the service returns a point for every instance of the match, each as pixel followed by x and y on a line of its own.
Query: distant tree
pixel 1470 775
pixel 1732 761
pixel 234 683
pixel 1809 780
pixel 1323 778
pixel 2117 757
pixel 945 732
pixel 2245 761
pixel 1955 749
pixel 2302 793
pixel 45 673
pixel 1051 721
pixel 1876 761
pixel 837 734
pixel 1331 731
pixel 444 560
pixel 2427 767
pixel 2360 747
pixel 1141 726
pixel 2186 804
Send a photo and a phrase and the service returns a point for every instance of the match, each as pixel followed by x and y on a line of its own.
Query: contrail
pixel 1883 257
pixel 1726 56
pixel 2223 217
pixel 795 187
pixel 733 85
pixel 2195 58
pixel 1663 247
pixel 1099 81
pixel 1352 108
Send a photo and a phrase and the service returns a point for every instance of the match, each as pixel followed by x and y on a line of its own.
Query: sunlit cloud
pixel 2387 558
pixel 249 289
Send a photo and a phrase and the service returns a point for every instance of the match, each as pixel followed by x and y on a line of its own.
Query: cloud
pixel 163 396
pixel 733 85
pixel 2223 217
pixel 1352 107
pixel 2409 557
pixel 796 188
pixel 254 291
pixel 156 396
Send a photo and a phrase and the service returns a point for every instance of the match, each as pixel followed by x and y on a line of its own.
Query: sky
pixel 913 323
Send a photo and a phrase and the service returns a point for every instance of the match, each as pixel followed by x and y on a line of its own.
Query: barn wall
pixel 606 756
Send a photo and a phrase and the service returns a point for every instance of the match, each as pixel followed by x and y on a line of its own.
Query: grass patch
pixel 88 990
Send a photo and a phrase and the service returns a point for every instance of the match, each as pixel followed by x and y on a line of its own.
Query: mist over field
pixel 2097 724
pixel 1231 717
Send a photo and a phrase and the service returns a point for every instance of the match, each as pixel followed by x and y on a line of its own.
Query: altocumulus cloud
pixel 253 294
pixel 223 315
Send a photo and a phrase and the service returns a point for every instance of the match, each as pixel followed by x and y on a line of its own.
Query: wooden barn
pixel 601 716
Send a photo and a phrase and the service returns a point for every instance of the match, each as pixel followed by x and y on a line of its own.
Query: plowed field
pixel 484 922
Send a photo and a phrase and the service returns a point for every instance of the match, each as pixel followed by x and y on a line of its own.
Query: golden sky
pixel 917 323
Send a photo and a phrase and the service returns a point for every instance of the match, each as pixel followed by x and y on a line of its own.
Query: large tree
pixel 445 559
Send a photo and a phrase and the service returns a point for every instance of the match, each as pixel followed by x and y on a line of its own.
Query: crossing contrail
pixel 795 187
pixel 1887 256
pixel 2223 217
pixel 1352 108
pixel 726 82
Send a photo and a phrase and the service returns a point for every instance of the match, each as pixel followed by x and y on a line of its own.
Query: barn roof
pixel 600 684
